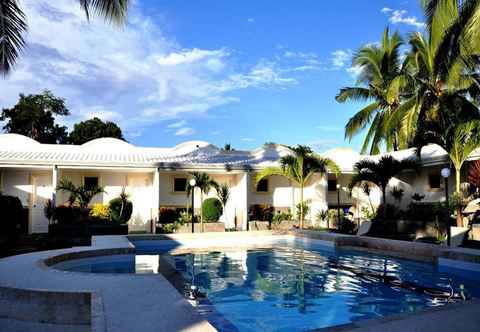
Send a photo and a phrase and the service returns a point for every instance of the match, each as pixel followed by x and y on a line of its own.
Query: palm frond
pixel 114 11
pixel 13 25
pixel 353 94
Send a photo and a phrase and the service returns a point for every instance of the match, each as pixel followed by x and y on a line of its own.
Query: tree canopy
pixel 34 116
pixel 94 128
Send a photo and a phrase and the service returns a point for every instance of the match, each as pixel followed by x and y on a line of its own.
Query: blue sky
pixel 239 72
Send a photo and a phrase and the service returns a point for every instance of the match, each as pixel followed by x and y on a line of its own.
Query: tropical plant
pixel 322 215
pixel 121 208
pixel 442 70
pixel 367 190
pixel 205 183
pixel 380 83
pixel 299 167
pixel 418 197
pixel 81 195
pixel 305 207
pixel 474 174
pixel 13 25
pixel 381 172
pixel 223 194
pixel 397 193
pixel 278 217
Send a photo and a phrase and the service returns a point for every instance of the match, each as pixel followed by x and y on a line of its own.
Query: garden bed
pixel 187 228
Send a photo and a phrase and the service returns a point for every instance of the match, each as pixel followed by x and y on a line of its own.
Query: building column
pixel 244 191
pixel 156 198
pixel 54 184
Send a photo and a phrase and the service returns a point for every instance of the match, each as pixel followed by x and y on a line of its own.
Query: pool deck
pixel 130 302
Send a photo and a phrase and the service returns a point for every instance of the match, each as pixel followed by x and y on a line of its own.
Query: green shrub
pixel 211 209
pixel 260 212
pixel 12 214
pixel 278 217
pixel 120 210
pixel 69 215
pixel 168 215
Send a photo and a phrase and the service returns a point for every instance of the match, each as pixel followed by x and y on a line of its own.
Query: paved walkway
pixel 131 302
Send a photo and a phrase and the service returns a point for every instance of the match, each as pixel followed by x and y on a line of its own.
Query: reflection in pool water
pixel 295 289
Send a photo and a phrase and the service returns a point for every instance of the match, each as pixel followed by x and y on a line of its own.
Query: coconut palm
pixel 460 29
pixel 380 173
pixel 380 84
pixel 13 25
pixel 299 167
pixel 223 194
pixel 205 183
pixel 444 86
pixel 81 195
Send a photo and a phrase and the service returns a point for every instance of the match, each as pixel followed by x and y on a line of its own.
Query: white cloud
pixel 177 124
pixel 186 131
pixel 247 139
pixel 401 17
pixel 354 71
pixel 340 58
pixel 250 20
pixel 134 75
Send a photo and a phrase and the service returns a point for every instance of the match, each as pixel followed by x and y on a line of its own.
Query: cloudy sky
pixel 239 72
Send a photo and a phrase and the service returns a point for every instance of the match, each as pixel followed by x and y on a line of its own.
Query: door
pixel 140 191
pixel 41 192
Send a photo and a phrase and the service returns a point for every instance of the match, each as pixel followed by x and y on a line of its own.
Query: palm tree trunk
pixel 201 211
pixel 384 199
pixel 457 191
pixel 301 206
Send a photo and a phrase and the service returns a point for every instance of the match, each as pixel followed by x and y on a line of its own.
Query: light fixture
pixel 445 172
pixel 192 182
pixel 338 186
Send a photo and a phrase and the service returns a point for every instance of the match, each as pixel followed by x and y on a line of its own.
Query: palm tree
pixel 205 183
pixel 223 194
pixel 380 173
pixel 13 25
pixel 299 167
pixel 379 83
pixel 79 194
pixel 442 74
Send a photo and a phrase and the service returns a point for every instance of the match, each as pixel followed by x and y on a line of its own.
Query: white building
pixel 156 177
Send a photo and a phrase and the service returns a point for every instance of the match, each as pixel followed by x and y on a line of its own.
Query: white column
pixel 54 184
pixel 244 191
pixel 156 197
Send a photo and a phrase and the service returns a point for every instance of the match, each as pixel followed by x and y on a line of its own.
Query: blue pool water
pixel 291 288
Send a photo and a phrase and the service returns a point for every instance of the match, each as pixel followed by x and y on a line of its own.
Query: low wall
pixel 52 307
pixel 207 227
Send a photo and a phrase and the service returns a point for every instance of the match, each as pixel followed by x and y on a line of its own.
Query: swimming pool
pixel 297 287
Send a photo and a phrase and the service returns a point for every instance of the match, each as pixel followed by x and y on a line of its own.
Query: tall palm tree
pixel 443 83
pixel 205 183
pixel 223 194
pixel 299 167
pixel 380 173
pixel 380 84
pixel 13 25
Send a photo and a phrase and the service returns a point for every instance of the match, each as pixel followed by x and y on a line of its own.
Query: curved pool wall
pixel 30 271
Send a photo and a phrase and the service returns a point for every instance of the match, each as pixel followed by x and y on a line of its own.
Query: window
pixel 434 181
pixel 90 182
pixel 332 185
pixel 179 185
pixel 262 186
